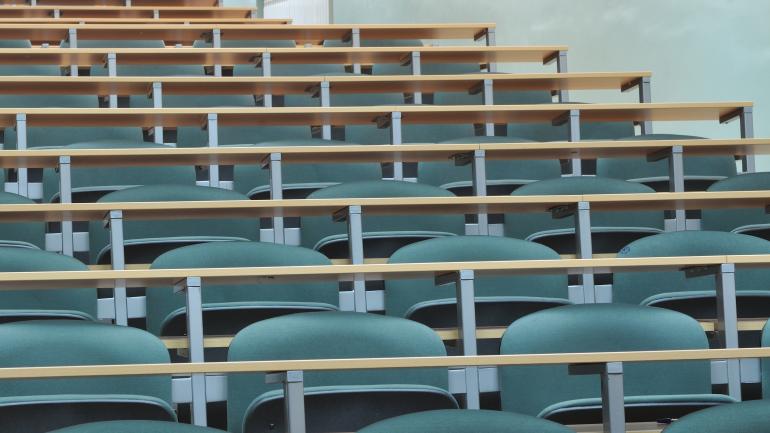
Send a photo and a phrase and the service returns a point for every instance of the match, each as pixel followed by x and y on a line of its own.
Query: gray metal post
pixel 489 99
pixel 479 169
pixel 115 224
pixel 72 37
pixel 128 3
pixel 157 102
pixel 676 183
pixel 112 71
pixel 276 193
pixel 727 324
pixel 267 71
pixel 216 42
pixel 22 173
pixel 213 132
pixel 416 63
pixel 573 129
pixel 355 40
pixel 613 399
pixel 293 398
pixel 466 326
pixel 155 14
pixel 491 40
pixel 356 251
pixel 645 97
pixel 191 286
pixel 65 196
pixel 396 139
pixel 57 13
pixel 326 129
pixel 747 131
pixel 584 247
pixel 561 67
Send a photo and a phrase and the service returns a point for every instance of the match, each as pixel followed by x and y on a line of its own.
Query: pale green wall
pixel 697 50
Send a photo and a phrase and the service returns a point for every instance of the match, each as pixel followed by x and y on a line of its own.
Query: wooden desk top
pixel 411 114
pixel 208 85
pixel 80 12
pixel 102 3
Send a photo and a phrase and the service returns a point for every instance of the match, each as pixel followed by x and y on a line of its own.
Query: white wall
pixel 697 50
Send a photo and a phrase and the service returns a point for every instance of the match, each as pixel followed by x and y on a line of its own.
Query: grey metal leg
pixel 747 131
pixel 613 407
pixel 21 144
pixel 355 40
pixel 213 130
pixel 645 97
pixel 276 193
pixel 583 243
pixel 489 99
pixel 128 3
pixel 57 13
pixel 65 196
pixel 115 224
pixel 155 14
pixel 72 37
pixel 396 138
pixel 416 70
pixel 466 323
pixel 112 71
pixel 267 71
pixel 674 155
pixel 561 67
pixel 191 286
pixel 326 129
pixel 157 102
pixel 356 250
pixel 480 187
pixel 294 398
pixel 216 41
pixel 727 324
pixel 491 40
pixel 573 129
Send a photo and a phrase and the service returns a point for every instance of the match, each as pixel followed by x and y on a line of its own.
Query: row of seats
pixel 653 390
pixel 499 299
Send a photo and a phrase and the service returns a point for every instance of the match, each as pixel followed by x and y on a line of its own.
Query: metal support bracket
pixel 112 71
pixel 396 137
pixel 561 67
pixel 583 243
pixel 416 64
pixel 216 42
pixel 353 216
pixel 747 131
pixel 114 222
pixel 212 127
pixel 191 287
pixel 479 169
pixel 72 38
pixel 22 173
pixel 267 71
pixel 274 164
pixel 325 91
pixel 489 99
pixel 293 398
pixel 355 41
pixel 674 155
pixel 645 97
pixel 613 399
pixel 65 196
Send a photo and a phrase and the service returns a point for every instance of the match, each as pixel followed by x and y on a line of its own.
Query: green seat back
pixel 401 295
pixel 746 417
pixel 252 179
pixel 162 302
pixel 702 168
pixel 200 229
pixel 511 172
pixel 137 427
pixel 26 234
pixel 318 231
pixel 68 342
pixel 738 220
pixel 101 180
pixel 337 335
pixel 534 226
pixel 600 328
pixel 70 303
pixel 636 287
pixel 465 421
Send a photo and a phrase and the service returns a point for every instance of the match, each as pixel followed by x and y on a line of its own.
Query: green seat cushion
pixel 137 427
pixel 745 417
pixel 465 421
pixel 738 220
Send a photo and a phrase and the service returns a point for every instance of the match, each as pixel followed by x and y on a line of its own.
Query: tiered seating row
pixel 145 12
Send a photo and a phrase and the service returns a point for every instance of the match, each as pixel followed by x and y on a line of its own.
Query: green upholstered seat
pixel 748 221
pixel 503 176
pixel 499 299
pixel 90 184
pixel 228 308
pixel 41 405
pixel 611 230
pixel 653 390
pixel 335 400
pixel 147 239
pixel 137 427
pixel 699 172
pixel 465 421
pixel 695 296
pixel 20 234
pixel 744 417
pixel 382 234
pixel 301 179
pixel 28 304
